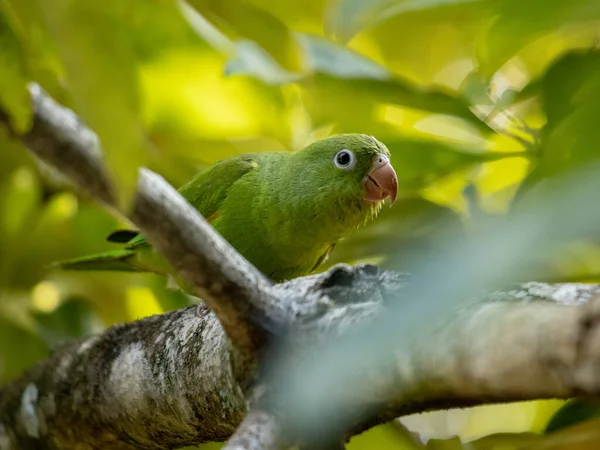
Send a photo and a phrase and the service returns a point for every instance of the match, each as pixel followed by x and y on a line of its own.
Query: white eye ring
pixel 344 159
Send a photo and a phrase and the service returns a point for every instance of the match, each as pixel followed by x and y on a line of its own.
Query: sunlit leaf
pixel 519 23
pixel 392 91
pixel 101 68
pixel 21 197
pixel 251 59
pixel 445 444
pixel 242 19
pixel 572 413
pixel 428 46
pixel 570 94
pixel 505 441
pixel 422 161
pixel 352 16
pixel 13 78
pixel 141 302
pixel 384 437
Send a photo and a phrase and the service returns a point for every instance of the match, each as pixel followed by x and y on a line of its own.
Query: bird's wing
pixel 205 192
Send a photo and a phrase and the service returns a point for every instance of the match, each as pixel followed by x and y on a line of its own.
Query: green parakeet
pixel 283 211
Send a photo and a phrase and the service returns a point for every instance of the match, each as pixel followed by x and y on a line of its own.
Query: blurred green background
pixel 479 101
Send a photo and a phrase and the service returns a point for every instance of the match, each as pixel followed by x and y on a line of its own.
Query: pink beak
pixel 381 181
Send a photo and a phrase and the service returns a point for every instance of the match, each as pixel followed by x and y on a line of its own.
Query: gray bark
pixel 167 381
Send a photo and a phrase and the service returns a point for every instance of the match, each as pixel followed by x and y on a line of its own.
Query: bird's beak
pixel 381 181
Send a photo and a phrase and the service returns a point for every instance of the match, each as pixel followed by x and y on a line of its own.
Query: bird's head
pixel 356 166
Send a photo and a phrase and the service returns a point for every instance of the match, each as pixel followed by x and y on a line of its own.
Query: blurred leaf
pixel 347 76
pixel 322 56
pixel 170 299
pixel 519 23
pixel 326 57
pixel 444 444
pixel 429 46
pixel 387 436
pixel 71 320
pixel 154 28
pixel 13 78
pixel 21 194
pixel 404 231
pixel 20 344
pixel 141 302
pixel 37 51
pixel 505 441
pixel 102 74
pixel 19 348
pixel 244 20
pixel 19 212
pixel 251 59
pixel 570 94
pixel 305 16
pixel 572 413
pixel 352 16
pixel 584 436
pixel 510 97
pixel 421 161
pixel 21 14
pixel 351 93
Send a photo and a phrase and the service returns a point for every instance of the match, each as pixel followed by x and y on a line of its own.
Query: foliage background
pixel 479 101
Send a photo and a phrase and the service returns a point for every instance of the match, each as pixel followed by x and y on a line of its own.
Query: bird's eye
pixel 344 159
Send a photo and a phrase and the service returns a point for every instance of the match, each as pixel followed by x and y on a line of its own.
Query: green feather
pixel 283 211
pixel 115 260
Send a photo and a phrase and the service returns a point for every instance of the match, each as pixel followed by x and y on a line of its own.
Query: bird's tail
pixel 114 260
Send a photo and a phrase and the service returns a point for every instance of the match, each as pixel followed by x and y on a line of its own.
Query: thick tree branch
pixel 237 292
pixel 166 381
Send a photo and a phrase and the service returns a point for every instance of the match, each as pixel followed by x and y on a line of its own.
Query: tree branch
pixel 258 431
pixel 238 293
pixel 167 381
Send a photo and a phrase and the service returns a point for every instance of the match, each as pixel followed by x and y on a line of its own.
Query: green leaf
pixel 402 233
pixel 14 95
pixel 571 100
pixel 71 320
pixel 346 81
pixel 389 436
pixel 242 19
pixel 519 23
pixel 396 91
pixel 570 95
pixel 21 195
pixel 252 60
pixel 14 359
pixel 572 413
pixel 423 161
pixel 322 56
pixel 347 75
pixel 21 14
pixel 505 441
pixel 102 74
pixel 349 17
pixel 445 444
